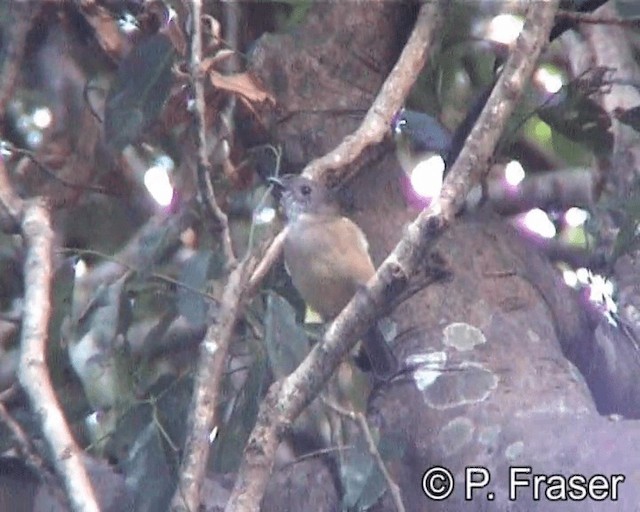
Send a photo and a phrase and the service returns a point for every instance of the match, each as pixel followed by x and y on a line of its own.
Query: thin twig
pixel 51 174
pixel 214 347
pixel 359 419
pixel 156 275
pixel 32 372
pixel 285 400
pixel 26 449
pixel 206 192
pixel 271 256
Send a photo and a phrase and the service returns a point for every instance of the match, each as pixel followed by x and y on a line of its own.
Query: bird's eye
pixel 305 190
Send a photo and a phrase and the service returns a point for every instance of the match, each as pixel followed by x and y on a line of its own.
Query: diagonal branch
pixel 286 399
pixel 32 371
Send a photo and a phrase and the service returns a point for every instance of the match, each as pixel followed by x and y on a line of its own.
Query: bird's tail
pixel 378 356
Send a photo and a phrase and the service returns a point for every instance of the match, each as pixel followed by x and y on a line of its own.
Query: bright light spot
pixel 550 79
pixel 264 215
pixel 5 148
pixel 42 117
pixel 156 179
pixel 583 275
pixel 426 177
pixel 505 28
pixel 570 278
pixel 128 23
pixel 601 286
pixel 172 14
pixel 92 421
pixel 538 222
pixel 575 217
pixel 601 294
pixel 213 434
pixel 514 173
pixel 80 269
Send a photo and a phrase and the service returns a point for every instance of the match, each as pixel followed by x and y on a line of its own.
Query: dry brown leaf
pixel 242 84
pixel 220 56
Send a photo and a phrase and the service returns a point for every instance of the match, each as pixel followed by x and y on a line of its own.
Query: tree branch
pixel 566 188
pixel 32 372
pixel 287 398
pixel 206 194
pixel 202 412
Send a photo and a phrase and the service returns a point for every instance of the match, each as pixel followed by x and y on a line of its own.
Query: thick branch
pixel 286 400
pixel 558 189
pixel 33 373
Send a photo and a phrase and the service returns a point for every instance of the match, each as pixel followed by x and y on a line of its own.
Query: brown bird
pixel 327 257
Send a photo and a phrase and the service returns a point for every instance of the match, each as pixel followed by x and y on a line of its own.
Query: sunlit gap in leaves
pixel 537 221
pixel 513 173
pixel 264 215
pixel 157 181
pixel 549 78
pixel 575 217
pixel 42 117
pixel 30 121
pixel 600 291
pixel 504 28
pixel 80 269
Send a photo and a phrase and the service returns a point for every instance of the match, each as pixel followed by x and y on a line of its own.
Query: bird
pixel 327 257
pixel 422 149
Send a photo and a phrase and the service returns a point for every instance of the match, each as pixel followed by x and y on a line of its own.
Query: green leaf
pixel 362 479
pixel 194 274
pixel 286 341
pixel 139 91
pixel 240 419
